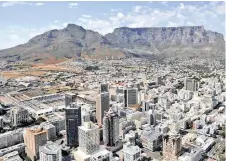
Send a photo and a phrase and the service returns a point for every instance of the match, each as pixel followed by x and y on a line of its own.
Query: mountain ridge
pixel 76 41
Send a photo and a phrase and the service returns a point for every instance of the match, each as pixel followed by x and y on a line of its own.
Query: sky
pixel 20 21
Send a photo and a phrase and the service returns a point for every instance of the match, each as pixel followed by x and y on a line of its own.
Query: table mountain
pixel 75 41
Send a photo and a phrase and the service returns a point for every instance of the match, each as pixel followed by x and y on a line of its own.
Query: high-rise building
pixel 111 128
pixel 85 117
pixel 89 137
pixel 130 96
pixel 1 122
pixel 104 88
pixel 145 106
pixel 33 138
pixel 19 116
pixel 172 146
pixel 50 152
pixel 190 84
pixel 73 120
pixel 70 98
pixel 102 105
pixel 151 117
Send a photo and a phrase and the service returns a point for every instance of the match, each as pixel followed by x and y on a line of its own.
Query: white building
pixel 19 116
pixel 132 153
pixel 51 130
pixel 11 138
pixel 89 137
pixel 50 152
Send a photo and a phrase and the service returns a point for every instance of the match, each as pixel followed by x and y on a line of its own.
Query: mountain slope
pixel 165 39
pixel 75 41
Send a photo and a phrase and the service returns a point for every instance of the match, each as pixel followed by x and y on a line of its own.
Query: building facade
pixel 33 138
pixel 73 120
pixel 50 152
pixel 111 128
pixel 70 98
pixel 102 105
pixel 89 138
pixel 172 146
pixel 19 116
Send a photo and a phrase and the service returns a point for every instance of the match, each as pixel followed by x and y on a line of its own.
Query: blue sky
pixel 20 21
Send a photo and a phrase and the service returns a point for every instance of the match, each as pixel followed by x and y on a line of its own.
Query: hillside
pixel 75 41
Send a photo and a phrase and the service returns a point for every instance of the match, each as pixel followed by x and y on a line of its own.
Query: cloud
pixel 165 3
pixel 86 16
pixel 114 10
pixel 210 15
pixel 39 4
pixel 9 4
pixel 72 5
pixel 143 16
pixel 137 8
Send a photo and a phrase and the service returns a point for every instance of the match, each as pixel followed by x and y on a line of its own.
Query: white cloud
pixel 86 16
pixel 56 21
pixel 72 5
pixel 165 3
pixel 9 4
pixel 39 4
pixel 114 10
pixel 137 8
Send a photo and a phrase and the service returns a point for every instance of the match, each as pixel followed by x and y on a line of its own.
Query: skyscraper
pixel 50 152
pixel 102 105
pixel 151 117
pixel 33 138
pixel 89 138
pixel 190 84
pixel 130 96
pixel 172 146
pixel 104 88
pixel 70 98
pixel 111 128
pixel 73 120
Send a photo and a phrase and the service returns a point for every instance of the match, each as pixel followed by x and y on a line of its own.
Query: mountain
pixel 167 40
pixel 75 41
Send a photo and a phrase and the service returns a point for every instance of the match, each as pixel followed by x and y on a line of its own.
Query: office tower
pixel 145 106
pixel 104 88
pixel 151 117
pixel 89 138
pixel 132 153
pixel 172 146
pixel 85 117
pixel 1 122
pixel 33 138
pixel 70 98
pixel 130 96
pixel 190 84
pixel 19 116
pixel 111 128
pixel 102 105
pixel 50 152
pixel 73 120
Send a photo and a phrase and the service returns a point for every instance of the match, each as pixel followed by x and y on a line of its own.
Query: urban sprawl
pixel 130 109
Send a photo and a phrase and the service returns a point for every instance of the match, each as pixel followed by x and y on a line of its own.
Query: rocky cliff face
pixel 75 41
pixel 156 40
